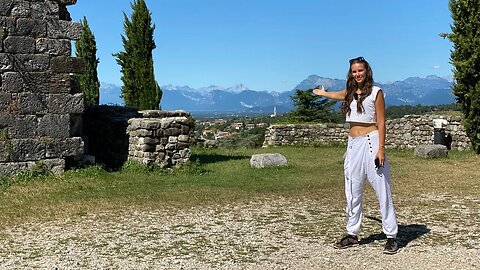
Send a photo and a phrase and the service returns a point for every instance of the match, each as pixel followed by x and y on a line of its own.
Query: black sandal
pixel 346 242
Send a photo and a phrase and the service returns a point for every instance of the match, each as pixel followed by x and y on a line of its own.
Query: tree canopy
pixel 312 108
pixel 86 48
pixel 140 89
pixel 465 58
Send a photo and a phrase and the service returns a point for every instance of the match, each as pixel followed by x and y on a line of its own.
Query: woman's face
pixel 358 72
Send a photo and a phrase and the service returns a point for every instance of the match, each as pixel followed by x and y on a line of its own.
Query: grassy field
pixel 225 177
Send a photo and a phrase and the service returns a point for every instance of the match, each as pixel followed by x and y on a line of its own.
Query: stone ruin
pixel 40 106
pixel 161 138
pixel 43 122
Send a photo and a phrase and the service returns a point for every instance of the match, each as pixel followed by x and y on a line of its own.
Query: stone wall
pixel 39 103
pixel 406 132
pixel 413 130
pixel 304 134
pixel 162 138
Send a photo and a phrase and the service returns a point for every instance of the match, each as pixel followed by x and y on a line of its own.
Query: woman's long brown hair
pixel 352 87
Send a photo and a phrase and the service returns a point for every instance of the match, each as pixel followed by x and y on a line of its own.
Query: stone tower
pixel 40 106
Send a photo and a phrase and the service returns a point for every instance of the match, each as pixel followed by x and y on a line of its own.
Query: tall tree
pixel 86 48
pixel 465 58
pixel 311 108
pixel 139 90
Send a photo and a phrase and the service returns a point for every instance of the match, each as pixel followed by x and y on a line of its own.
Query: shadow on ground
pixel 209 158
pixel 406 233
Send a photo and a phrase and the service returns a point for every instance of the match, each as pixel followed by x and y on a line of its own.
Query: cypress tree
pixel 465 58
pixel 139 90
pixel 86 48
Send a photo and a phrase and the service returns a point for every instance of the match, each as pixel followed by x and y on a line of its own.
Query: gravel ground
pixel 265 234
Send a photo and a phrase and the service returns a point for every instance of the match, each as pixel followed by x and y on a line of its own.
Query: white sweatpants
pixel 360 165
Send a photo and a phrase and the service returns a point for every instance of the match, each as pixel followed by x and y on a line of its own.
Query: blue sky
pixel 273 45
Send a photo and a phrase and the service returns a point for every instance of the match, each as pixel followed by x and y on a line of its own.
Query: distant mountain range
pixel 431 90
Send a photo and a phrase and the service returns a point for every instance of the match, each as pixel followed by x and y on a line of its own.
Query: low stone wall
pixel 413 130
pixel 406 132
pixel 160 137
pixel 304 134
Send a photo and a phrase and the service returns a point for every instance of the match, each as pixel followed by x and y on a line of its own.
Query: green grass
pixel 222 177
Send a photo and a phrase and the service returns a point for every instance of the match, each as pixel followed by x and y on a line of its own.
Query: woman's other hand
pixel 381 156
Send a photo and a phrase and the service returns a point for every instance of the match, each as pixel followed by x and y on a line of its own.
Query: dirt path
pixel 274 234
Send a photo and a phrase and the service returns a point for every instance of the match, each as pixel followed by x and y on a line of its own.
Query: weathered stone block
pixel 64 30
pixel 268 160
pixel 170 146
pixel 20 10
pixel 5 7
pixel 19 44
pixel 182 145
pixel 54 126
pixel 31 27
pixel 183 138
pixel 4 151
pixel 431 151
pixel 147 140
pixel 66 2
pixel 144 147
pixel 6 62
pixel 64 147
pixel 65 64
pixel 53 46
pixel 160 157
pixel 30 103
pixel 171 121
pixel 27 149
pixel 22 127
pixel 47 9
pixel 5 99
pixel 141 133
pixel 171 132
pixel 7 25
pixel 30 62
pixel 185 153
pixel 65 103
pixel 44 82
pixel 149 124
pixel 11 168
pixel 172 139
pixel 55 165
pixel 163 114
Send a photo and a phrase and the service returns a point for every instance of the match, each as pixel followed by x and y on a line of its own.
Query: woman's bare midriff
pixel 361 129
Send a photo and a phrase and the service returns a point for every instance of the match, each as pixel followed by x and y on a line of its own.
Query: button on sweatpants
pixel 360 165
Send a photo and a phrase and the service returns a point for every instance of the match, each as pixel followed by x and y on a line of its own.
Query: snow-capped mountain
pixel 430 90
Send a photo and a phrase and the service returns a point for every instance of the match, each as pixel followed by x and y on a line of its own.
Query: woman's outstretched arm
pixel 338 95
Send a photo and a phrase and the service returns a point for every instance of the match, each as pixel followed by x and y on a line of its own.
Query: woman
pixel 364 109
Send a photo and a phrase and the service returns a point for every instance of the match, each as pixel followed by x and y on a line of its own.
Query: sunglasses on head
pixel 358 59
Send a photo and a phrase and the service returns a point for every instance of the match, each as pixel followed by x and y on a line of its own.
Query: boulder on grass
pixel 431 151
pixel 268 160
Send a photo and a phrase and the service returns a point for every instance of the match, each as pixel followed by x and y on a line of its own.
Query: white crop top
pixel 369 115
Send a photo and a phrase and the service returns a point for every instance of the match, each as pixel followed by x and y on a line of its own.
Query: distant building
pixel 274 112
pixel 221 134
pixel 219 121
pixel 249 126
pixel 237 126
